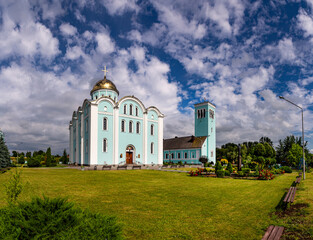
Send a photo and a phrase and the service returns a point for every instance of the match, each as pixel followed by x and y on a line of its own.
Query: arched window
pixel 204 113
pixel 114 99
pixel 105 145
pixel 123 126
pixel 198 113
pixel 138 127
pixel 152 148
pixel 186 155
pixel 130 109
pixel 152 129
pixel 137 111
pixel 125 109
pixel 130 126
pixel 105 124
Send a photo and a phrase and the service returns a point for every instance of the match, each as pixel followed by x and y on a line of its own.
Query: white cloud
pixel 25 37
pixel 305 22
pixel 286 49
pixel 67 29
pixel 121 6
pixel 105 43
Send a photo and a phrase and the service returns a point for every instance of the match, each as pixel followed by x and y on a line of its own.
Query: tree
pixel 294 155
pixel 21 159
pixel 28 154
pixel 259 150
pixel 64 158
pixel 4 154
pixel 34 161
pixel 266 140
pixel 14 153
pixel 48 157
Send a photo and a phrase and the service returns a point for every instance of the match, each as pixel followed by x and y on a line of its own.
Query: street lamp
pixel 303 160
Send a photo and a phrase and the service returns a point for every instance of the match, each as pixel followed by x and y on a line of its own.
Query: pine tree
pixel 64 158
pixel 48 155
pixel 4 154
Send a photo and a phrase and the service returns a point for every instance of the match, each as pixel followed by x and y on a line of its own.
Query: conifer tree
pixel 48 155
pixel 4 154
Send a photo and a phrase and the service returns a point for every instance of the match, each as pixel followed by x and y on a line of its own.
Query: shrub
pixel 220 173
pixel 13 187
pixel 241 174
pixel 34 162
pixel 218 166
pixel 203 159
pixel 245 171
pixel 227 173
pixel 55 219
pixel 286 169
pixel 229 167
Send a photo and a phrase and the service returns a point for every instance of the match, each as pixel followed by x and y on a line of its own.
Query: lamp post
pixel 303 160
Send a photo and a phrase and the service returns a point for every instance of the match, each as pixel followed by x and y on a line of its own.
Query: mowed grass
pixel 164 205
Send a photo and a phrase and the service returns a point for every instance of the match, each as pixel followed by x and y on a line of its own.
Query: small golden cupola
pixel 104 87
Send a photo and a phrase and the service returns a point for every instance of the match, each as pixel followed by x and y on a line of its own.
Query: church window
pixel 173 155
pixel 105 124
pixel 130 109
pixel 178 155
pixel 204 113
pixel 138 127
pixel 186 155
pixel 152 148
pixel 136 111
pixel 211 153
pixel 114 99
pixel 211 114
pixel 166 156
pixel 152 129
pixel 211 130
pixel 96 97
pixel 125 109
pixel 130 126
pixel 109 96
pixel 105 145
pixel 198 113
pixel 123 126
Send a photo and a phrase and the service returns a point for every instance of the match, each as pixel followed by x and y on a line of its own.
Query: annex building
pixel 189 149
pixel 107 130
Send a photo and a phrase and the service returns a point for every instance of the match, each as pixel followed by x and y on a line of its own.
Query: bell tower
pixel 205 127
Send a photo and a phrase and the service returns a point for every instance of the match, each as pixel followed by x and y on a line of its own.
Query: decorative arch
pixel 155 109
pixel 119 103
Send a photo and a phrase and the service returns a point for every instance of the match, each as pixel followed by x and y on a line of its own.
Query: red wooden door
pixel 129 157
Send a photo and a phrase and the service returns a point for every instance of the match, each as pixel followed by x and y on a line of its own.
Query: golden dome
pixel 104 84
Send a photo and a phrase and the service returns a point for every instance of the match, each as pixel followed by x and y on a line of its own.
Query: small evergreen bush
pixel 218 166
pixel 227 173
pixel 286 169
pixel 220 173
pixel 55 219
pixel 229 167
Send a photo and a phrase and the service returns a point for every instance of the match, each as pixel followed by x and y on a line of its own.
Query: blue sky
pixel 239 55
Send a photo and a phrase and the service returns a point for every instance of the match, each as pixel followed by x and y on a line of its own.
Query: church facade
pixel 107 130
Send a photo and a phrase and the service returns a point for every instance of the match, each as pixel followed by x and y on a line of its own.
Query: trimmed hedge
pixel 220 173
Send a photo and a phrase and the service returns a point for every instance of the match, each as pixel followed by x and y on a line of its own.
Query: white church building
pixel 107 130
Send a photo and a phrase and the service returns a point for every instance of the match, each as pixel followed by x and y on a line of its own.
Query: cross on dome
pixel 105 71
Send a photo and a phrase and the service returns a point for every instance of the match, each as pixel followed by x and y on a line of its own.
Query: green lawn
pixel 165 205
